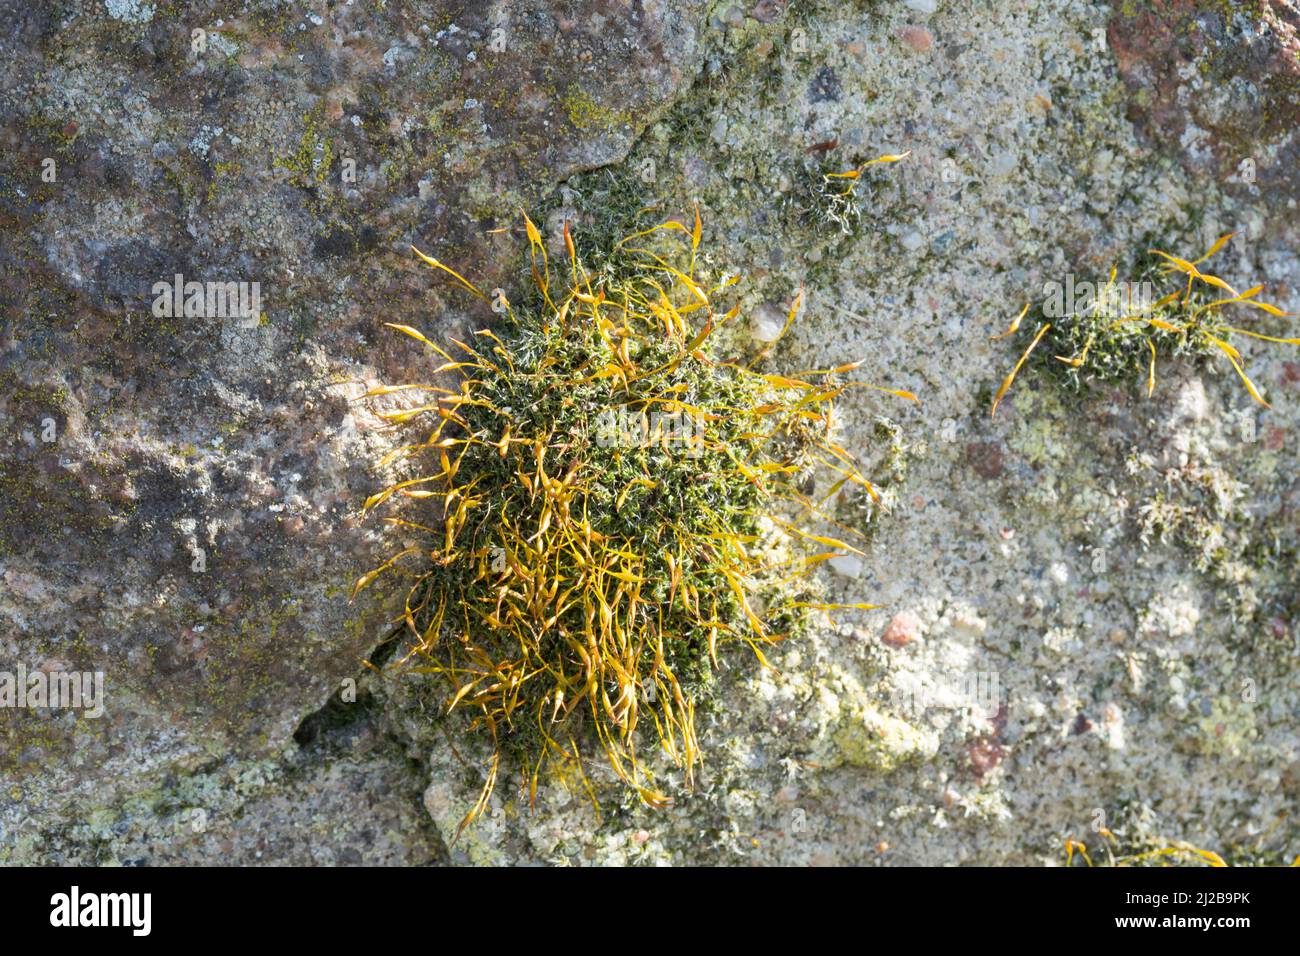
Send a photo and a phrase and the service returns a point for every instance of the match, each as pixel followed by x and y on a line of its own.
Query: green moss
pixel 607 204
pixel 1109 329
pixel 826 203
pixel 596 557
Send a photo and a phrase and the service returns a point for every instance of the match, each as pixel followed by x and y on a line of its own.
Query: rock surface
pixel 1104 587
pixel 179 493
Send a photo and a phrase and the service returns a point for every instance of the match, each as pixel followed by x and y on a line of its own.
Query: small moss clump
pixel 1117 332
pixel 608 506
pixel 829 197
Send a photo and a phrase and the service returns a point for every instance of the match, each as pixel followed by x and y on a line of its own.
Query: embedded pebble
pixel 846 565
pixel 918 38
pixel 902 630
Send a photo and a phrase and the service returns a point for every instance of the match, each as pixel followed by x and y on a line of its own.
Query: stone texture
pixel 1107 583
pixel 1221 81
pixel 304 150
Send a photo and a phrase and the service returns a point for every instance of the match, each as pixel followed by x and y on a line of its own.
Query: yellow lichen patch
pixel 868 738
pixel 586 114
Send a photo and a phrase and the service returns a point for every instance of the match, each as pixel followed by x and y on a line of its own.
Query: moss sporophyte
pixel 583 572
pixel 1101 342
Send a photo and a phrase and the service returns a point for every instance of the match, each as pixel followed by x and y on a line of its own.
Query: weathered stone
pixel 1217 86
pixel 1106 579
pixel 180 493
